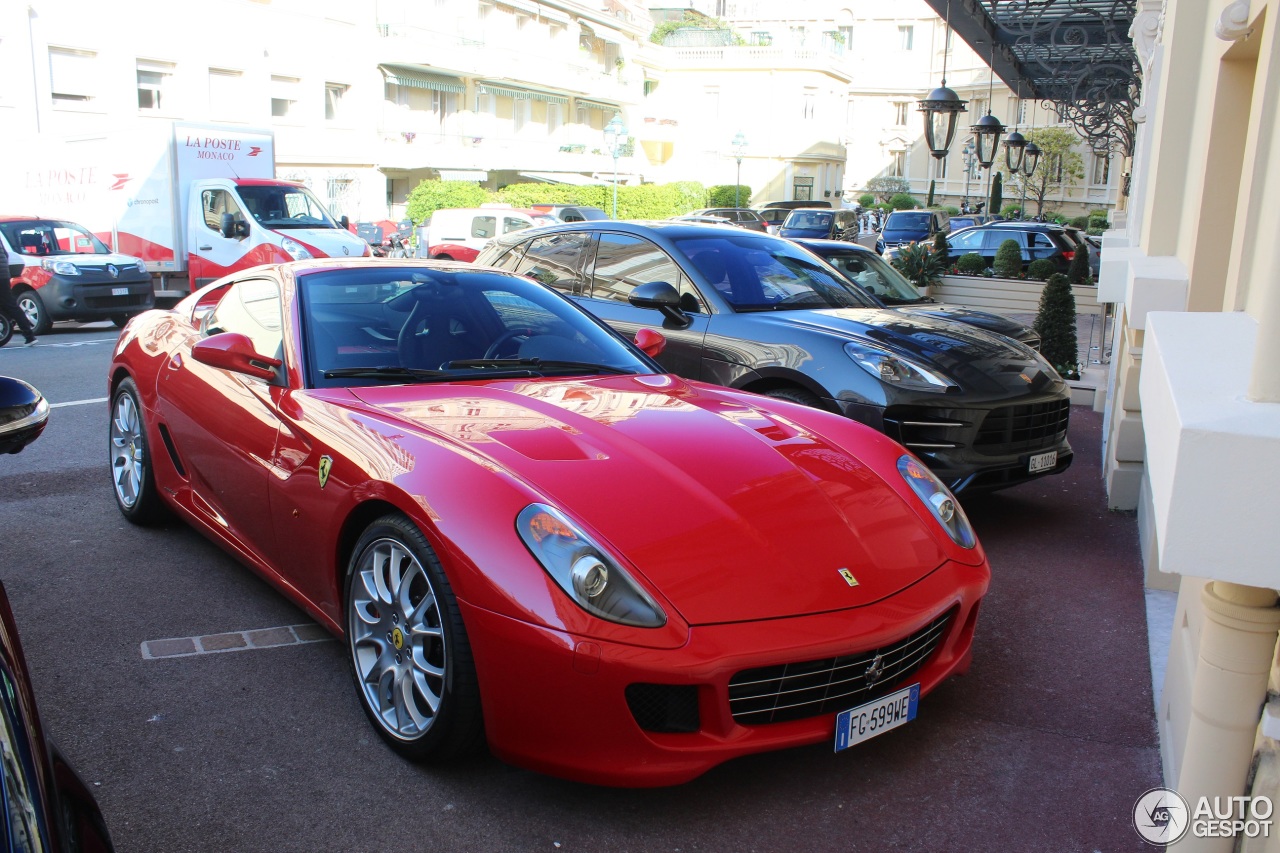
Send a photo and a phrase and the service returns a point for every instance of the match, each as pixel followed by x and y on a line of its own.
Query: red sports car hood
pixel 733 512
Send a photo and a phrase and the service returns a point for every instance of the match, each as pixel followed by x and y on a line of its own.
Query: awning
pixel 520 94
pixel 463 175
pixel 598 105
pixel 572 178
pixel 419 80
pixel 604 33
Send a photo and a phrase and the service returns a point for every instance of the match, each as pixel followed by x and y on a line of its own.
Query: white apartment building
pixel 367 100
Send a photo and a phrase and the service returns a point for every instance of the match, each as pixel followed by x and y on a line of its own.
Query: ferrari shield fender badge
pixel 848 577
pixel 326 463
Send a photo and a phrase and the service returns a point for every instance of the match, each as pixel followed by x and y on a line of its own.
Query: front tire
pixel 408 648
pixel 121 320
pixel 33 306
pixel 6 330
pixel 795 395
pixel 132 476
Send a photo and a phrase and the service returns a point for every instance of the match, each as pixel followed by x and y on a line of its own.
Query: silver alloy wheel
pixel 31 307
pixel 396 638
pixel 128 453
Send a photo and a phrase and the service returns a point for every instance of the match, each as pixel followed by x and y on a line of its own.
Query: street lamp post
pixel 969 160
pixel 614 132
pixel 739 148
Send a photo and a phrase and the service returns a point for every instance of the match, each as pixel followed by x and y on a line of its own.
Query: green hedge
pixel 1008 263
pixel 723 196
pixel 1041 269
pixel 903 201
pixel 647 201
pixel 971 264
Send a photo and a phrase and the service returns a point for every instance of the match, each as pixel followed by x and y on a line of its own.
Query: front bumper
pixel 82 298
pixel 975 448
pixel 557 703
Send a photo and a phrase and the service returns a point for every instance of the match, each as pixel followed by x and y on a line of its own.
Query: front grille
pixel 1017 429
pixel 664 707
pixel 796 691
pixel 133 300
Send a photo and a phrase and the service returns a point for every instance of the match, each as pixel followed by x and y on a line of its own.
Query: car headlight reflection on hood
pixel 584 571
pixel 296 250
pixel 938 498
pixel 894 369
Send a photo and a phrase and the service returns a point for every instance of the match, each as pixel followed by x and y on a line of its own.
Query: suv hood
pixel 997 323
pixel 731 510
pixel 979 361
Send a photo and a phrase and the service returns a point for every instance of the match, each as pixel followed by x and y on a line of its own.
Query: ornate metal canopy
pixel 1076 56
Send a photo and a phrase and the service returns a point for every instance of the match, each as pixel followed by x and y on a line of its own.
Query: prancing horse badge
pixel 326 462
pixel 848 577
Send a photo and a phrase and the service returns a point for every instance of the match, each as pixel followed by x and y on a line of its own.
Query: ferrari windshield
pixel 758 273
pixel 870 272
pixel 400 324
pixel 284 206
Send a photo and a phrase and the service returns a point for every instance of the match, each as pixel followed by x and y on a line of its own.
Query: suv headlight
pixel 296 250
pixel 894 369
pixel 60 267
pixel 587 574
pixel 938 498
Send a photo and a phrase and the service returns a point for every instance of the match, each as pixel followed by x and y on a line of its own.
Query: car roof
pixel 1022 225
pixel 662 228
pixel 834 247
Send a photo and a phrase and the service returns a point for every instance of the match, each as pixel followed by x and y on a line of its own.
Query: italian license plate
pixel 875 718
pixel 119 291
pixel 1043 462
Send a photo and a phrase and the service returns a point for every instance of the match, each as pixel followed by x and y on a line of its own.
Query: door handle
pixel 204 248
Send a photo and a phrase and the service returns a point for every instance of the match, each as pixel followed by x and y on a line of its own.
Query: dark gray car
pixel 761 314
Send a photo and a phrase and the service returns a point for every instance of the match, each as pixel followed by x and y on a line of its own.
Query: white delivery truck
pixel 193 201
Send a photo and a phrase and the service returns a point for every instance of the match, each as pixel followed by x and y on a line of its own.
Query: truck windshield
pixel 277 206
pixel 51 237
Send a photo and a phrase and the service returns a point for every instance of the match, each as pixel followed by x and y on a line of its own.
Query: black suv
pixel 741 216
pixel 1037 240
pixel 761 314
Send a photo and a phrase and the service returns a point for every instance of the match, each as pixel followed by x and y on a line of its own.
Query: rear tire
pixel 6 330
pixel 121 320
pixel 796 395
pixel 33 306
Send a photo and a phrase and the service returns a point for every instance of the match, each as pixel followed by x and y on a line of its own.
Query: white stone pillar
pixel 1237 643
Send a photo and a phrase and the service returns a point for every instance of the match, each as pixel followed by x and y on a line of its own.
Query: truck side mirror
pixel 344 222
pixel 230 227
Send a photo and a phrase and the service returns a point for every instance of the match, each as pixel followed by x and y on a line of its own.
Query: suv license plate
pixel 874 718
pixel 119 291
pixel 1043 462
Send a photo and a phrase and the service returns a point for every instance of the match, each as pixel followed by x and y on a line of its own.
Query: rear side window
pixel 1041 241
pixel 508 261
pixel 510 223
pixel 556 261
pixel 969 241
pixel 483 227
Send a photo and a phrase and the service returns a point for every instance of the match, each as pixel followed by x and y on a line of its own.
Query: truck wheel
pixel 443 258
pixel 6 330
pixel 121 319
pixel 33 306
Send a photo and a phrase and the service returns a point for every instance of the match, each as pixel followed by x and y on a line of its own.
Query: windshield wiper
pixel 534 363
pixel 385 372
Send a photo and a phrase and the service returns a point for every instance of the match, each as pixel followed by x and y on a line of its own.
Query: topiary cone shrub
pixel 1079 272
pixel 941 249
pixel 971 264
pixel 1056 324
pixel 1041 270
pixel 1008 262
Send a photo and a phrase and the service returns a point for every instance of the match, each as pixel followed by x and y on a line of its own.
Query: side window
pixel 510 223
pixel 1041 241
pixel 623 261
pixel 217 202
pixel 997 236
pixel 483 227
pixel 252 308
pixel 510 260
pixel 571 215
pixel 556 261
pixel 970 241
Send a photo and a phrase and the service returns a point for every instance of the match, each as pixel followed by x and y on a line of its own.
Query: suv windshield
pixel 51 237
pixel 277 206
pixel 807 219
pixel 767 274
pixel 907 220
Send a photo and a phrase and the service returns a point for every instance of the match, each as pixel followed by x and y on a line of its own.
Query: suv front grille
pixel 924 429
pixel 797 691
pixel 1018 429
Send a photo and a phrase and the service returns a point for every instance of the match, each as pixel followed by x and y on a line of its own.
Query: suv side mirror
pixel 662 296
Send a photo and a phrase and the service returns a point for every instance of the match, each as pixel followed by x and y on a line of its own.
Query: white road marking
pixel 41 345
pixel 235 641
pixel 79 402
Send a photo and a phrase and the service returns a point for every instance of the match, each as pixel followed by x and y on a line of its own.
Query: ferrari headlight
pixel 894 369
pixel 60 267
pixel 584 571
pixel 938 498
pixel 296 250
